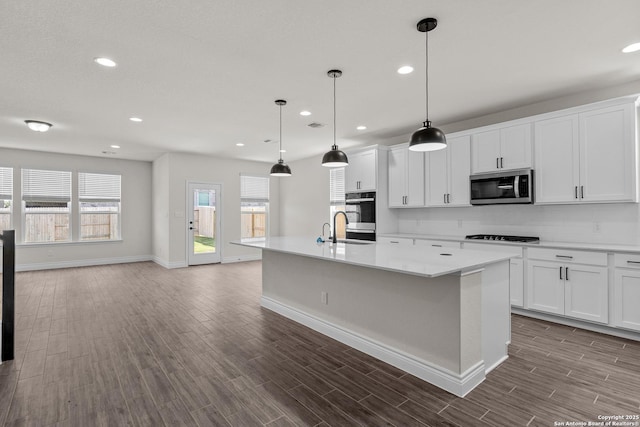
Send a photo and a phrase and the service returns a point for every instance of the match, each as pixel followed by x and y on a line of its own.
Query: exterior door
pixel 203 223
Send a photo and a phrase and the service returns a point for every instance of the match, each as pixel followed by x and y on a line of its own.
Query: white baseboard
pixel 81 263
pixel 242 258
pixel 458 384
pixel 169 265
pixel 603 329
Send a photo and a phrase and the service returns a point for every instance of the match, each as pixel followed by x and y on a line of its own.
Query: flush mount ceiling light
pixel 105 62
pixel 335 157
pixel 38 126
pixel 280 168
pixel 632 48
pixel 405 69
pixel 427 138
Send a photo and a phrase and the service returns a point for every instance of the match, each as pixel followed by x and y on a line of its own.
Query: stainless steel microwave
pixel 495 188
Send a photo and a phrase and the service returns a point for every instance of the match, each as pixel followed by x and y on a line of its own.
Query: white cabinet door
pixel 557 169
pixel 545 287
pixel 459 163
pixel 516 281
pixel 436 177
pixel 397 176
pixel 586 293
pixel 515 147
pixel 415 178
pixel 395 240
pixel 607 155
pixel 485 151
pixel 627 297
pixel 360 175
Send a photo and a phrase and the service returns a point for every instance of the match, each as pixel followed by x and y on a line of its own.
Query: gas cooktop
pixel 498 237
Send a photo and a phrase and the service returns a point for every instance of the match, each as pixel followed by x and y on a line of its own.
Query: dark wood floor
pixel 136 344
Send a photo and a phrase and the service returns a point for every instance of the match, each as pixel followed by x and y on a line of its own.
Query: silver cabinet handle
pixel 561 273
pixel 497 163
pixel 566 273
pixel 633 262
pixel 437 246
pixel 564 256
pixel 501 162
pixel 448 198
pixel 576 192
pixel 582 191
pixel 393 241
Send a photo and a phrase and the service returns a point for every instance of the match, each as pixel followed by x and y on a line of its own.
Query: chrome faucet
pixel 335 239
pixel 326 223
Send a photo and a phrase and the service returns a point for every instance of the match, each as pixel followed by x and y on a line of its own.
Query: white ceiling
pixel 204 74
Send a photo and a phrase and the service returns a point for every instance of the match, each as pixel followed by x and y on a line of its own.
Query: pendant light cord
pixel 426 83
pixel 334 111
pixel 280 149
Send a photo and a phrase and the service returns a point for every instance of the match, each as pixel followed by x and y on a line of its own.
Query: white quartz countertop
pixel 603 247
pixel 420 261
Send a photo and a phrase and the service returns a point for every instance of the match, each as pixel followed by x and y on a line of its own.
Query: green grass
pixel 203 244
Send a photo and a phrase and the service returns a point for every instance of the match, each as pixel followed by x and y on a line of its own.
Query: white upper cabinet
pixel 406 177
pixel 587 157
pixel 501 149
pixel 360 175
pixel 447 173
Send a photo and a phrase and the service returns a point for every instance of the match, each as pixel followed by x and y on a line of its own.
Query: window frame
pixel 6 189
pixel 250 196
pixel 108 196
pixel 27 196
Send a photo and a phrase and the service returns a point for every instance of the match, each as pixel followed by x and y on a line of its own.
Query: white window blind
pixel 98 187
pixel 254 189
pixel 336 186
pixel 46 186
pixel 6 183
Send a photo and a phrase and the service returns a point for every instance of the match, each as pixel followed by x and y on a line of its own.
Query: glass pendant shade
pixel 427 138
pixel 280 169
pixel 335 158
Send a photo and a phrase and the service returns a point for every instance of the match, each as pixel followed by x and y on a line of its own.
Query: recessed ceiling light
pixel 105 62
pixel 305 113
pixel 361 127
pixel 38 126
pixel 405 69
pixel 632 48
pixel 240 144
pixel 283 151
pixel 135 119
pixel 115 146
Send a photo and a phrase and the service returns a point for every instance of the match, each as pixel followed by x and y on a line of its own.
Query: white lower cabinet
pixel 395 240
pixel 516 281
pixel 567 288
pixel 438 243
pixel 626 292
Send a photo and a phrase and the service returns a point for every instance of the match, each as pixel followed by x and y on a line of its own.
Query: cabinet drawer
pixel 494 247
pixel 395 240
pixel 438 243
pixel 568 256
pixel 627 260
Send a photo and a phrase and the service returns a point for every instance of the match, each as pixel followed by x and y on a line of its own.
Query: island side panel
pixel 496 314
pixel 470 327
pixel 414 315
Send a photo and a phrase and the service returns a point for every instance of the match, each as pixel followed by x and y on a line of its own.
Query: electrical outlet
pixel 459 223
pixel 596 227
pixel 324 297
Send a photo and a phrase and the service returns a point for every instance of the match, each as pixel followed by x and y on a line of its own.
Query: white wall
pixel 136 212
pixel 170 241
pixel 304 198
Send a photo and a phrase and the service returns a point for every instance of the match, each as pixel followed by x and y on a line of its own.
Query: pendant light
pixel 427 138
pixel 334 158
pixel 280 168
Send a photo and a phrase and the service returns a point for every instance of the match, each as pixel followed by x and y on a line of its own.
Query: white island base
pixel 449 330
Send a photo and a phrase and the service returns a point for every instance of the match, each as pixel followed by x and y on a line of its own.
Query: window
pixel 336 200
pixel 6 197
pixel 46 200
pixel 99 201
pixel 254 207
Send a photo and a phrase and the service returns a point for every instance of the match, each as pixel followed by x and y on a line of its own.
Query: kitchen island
pixel 441 314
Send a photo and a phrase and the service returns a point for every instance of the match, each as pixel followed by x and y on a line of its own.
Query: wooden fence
pixel 254 224
pixel 204 221
pixel 54 227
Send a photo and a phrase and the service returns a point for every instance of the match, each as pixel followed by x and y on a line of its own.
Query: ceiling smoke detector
pixel 316 125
